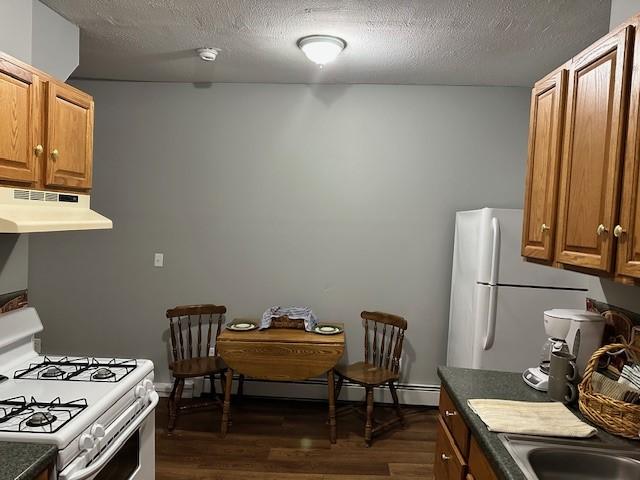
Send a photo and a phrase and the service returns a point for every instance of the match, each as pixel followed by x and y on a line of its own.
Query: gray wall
pixel 55 42
pixel 337 197
pixel 15 28
pixel 621 10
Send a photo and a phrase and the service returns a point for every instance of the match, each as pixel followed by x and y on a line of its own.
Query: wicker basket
pixel 614 416
pixel 286 322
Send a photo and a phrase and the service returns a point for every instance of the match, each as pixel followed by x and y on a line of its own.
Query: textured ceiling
pixel 471 42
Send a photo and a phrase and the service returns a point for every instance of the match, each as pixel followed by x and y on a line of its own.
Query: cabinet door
pixel 627 231
pixel 454 422
pixel 70 138
pixel 592 154
pixel 448 464
pixel 479 466
pixel 545 149
pixel 20 123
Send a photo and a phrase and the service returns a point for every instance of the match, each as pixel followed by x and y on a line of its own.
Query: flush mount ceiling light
pixel 207 54
pixel 321 49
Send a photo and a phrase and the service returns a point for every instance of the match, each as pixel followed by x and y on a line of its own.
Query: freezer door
pixel 519 325
pixel 512 268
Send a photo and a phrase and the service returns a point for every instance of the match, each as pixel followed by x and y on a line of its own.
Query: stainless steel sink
pixel 559 459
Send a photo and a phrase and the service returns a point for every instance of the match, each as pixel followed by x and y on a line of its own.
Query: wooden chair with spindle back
pixel 191 361
pixel 383 339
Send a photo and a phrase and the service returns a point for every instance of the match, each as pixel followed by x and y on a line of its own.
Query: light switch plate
pixel 37 344
pixel 158 260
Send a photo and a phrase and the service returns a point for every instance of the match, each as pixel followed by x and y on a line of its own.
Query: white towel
pixel 548 419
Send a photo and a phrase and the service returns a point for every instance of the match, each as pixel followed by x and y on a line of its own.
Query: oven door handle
pixel 117 444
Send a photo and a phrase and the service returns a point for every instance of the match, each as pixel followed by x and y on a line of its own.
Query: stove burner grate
pixel 19 415
pixel 78 369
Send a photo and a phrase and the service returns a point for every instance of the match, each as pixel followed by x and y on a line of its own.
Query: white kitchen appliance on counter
pixel 99 412
pixel 578 332
pixel 497 297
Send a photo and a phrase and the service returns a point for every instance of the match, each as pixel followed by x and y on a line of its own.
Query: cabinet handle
pixel 544 227
pixel 445 458
pixel 55 154
pixel 619 231
pixel 38 150
pixel 449 413
pixel 601 229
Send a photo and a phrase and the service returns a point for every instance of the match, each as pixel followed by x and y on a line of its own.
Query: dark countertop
pixel 23 461
pixel 463 384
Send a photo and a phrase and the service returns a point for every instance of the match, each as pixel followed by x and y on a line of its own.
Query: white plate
pixel 327 329
pixel 242 326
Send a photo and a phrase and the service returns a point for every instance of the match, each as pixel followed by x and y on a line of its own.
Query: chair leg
pixel 368 428
pixel 396 403
pixel 212 381
pixel 223 383
pixel 240 386
pixel 339 386
pixel 174 400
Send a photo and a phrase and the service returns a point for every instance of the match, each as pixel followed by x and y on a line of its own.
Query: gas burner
pixel 19 415
pixel 52 372
pixel 40 419
pixel 103 373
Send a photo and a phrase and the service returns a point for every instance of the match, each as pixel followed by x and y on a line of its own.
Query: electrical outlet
pixel 158 260
pixel 37 344
pixel 212 351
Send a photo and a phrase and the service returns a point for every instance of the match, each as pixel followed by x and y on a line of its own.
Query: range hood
pixel 27 211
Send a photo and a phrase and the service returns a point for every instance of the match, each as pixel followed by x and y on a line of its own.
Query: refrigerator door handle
pixel 493 295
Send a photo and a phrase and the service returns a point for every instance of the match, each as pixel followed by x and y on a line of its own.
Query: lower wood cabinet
pixel 458 455
pixel 478 465
pixel 45 474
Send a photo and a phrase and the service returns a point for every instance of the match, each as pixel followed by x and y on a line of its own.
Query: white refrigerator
pixel 498 299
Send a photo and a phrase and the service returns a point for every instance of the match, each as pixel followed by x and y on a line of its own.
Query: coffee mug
pixel 562 375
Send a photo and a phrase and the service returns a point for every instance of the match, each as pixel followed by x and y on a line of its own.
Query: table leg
pixel 332 406
pixel 227 403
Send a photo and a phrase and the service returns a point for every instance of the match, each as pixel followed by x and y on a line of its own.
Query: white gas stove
pixel 99 412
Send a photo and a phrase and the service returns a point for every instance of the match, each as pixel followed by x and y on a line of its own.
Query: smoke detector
pixel 207 54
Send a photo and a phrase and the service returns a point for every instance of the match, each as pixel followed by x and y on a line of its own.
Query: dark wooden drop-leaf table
pixel 280 354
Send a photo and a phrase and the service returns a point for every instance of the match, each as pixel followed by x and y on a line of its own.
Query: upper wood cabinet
pixel 70 137
pixel 545 148
pixel 20 123
pixel 598 211
pixel 627 230
pixel 592 152
pixel 46 130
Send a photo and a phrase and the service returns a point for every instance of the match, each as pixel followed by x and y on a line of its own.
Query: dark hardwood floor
pixel 286 440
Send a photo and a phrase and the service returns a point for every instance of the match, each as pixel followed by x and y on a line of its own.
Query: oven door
pixel 127 451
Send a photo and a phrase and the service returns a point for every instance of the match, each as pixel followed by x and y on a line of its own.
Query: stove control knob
pixel 140 391
pixel 86 441
pixel 148 385
pixel 97 430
